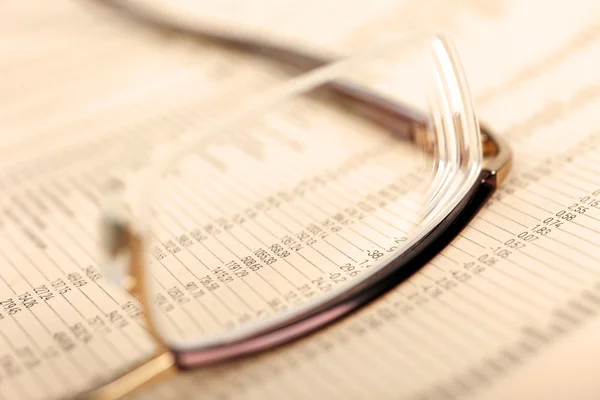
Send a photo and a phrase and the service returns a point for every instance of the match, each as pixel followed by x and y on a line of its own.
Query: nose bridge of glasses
pixel 122 256
pixel 123 263
pixel 115 236
pixel 116 253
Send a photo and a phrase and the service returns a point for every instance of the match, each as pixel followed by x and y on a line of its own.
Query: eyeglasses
pixel 290 211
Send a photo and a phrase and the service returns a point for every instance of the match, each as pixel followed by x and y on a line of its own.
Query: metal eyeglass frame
pixel 496 164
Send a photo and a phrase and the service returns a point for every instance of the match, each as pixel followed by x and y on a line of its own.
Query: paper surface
pixel 472 323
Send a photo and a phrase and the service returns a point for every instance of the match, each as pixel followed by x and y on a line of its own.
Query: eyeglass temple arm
pixel 497 156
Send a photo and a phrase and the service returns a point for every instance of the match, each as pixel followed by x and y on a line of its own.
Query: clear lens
pixel 278 205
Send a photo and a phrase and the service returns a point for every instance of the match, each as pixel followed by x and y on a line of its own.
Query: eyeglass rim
pixel 396 117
